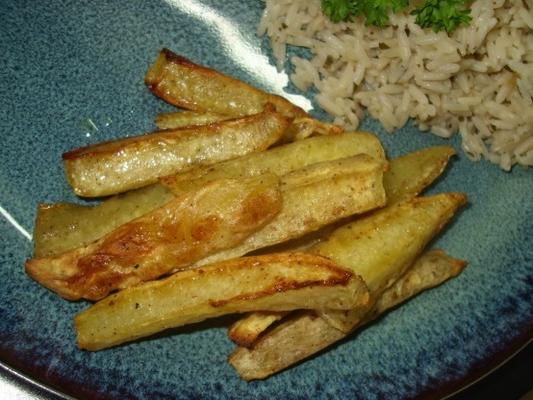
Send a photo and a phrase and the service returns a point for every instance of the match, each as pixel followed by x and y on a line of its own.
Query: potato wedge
pixel 182 83
pixel 304 334
pixel 313 197
pixel 402 229
pixel 184 230
pixel 409 174
pixel 182 119
pixel 431 269
pixel 304 127
pixel 299 336
pixel 275 282
pixel 406 177
pixel 381 246
pixel 280 160
pixel 245 331
pixel 62 227
pixel 117 166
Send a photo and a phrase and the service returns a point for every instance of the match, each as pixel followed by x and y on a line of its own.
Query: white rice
pixel 477 82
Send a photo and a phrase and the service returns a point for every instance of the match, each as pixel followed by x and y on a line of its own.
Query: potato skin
pixel 281 160
pixel 314 197
pixel 276 282
pixel 64 226
pixel 303 334
pixel 406 176
pixel 185 84
pixel 184 230
pixel 117 166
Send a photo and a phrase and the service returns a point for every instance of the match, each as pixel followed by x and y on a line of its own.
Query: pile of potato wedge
pixel 241 202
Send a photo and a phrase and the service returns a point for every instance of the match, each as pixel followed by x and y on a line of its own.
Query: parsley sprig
pixel 436 14
pixel 442 15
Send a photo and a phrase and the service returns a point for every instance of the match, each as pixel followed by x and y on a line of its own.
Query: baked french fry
pixel 431 269
pixel 276 282
pixel 313 197
pixel 246 330
pixel 281 160
pixel 182 119
pixel 185 84
pixel 114 167
pixel 297 337
pixel 304 334
pixel 407 176
pixel 381 246
pixel 411 173
pixel 304 127
pixel 403 230
pixel 62 227
pixel 182 231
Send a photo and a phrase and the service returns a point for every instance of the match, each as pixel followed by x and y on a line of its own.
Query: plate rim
pixel 27 383
pixel 489 362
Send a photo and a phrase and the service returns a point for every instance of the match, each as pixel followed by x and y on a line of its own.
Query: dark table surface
pixel 512 380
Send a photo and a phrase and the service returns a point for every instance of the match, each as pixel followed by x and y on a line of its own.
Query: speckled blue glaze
pixel 63 62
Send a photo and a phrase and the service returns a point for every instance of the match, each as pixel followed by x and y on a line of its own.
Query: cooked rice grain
pixel 477 82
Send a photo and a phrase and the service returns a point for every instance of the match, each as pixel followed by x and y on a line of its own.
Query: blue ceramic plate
pixel 72 74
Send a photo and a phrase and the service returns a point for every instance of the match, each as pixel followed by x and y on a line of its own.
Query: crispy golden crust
pixel 185 84
pixel 245 331
pixel 316 196
pixel 304 334
pixel 337 276
pixel 187 228
pixel 271 282
pixel 407 176
pixel 281 160
pixel 62 227
pixel 403 229
pixel 114 167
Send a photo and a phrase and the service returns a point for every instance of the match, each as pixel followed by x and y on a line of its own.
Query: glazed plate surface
pixel 72 74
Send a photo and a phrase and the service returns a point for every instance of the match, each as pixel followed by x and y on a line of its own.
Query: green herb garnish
pixel 436 14
pixel 442 15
